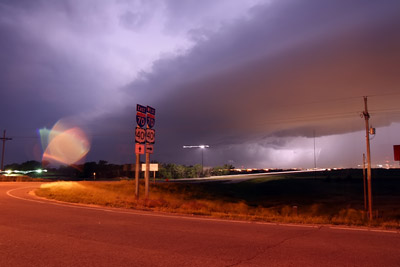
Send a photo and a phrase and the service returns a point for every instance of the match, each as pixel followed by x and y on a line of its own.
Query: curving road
pixel 35 232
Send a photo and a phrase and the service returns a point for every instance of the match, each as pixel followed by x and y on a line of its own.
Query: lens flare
pixel 64 144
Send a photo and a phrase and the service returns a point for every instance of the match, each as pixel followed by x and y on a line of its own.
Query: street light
pixel 202 147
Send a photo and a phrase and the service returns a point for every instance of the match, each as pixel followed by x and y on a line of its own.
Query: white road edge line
pixel 186 217
pixel 365 230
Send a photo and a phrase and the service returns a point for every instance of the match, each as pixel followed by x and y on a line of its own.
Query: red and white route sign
pixel 140 135
pixel 150 136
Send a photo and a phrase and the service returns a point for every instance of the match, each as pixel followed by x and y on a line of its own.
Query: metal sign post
pixel 146 176
pixel 137 175
pixel 144 115
pixel 150 138
pixel 139 139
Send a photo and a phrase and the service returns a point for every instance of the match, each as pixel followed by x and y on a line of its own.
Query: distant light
pixel 199 146
pixel 25 172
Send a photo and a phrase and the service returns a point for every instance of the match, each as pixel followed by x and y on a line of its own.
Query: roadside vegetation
pixel 329 198
pixel 20 178
pixel 106 171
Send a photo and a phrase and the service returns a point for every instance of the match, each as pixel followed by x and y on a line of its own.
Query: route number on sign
pixel 150 136
pixel 140 119
pixel 150 120
pixel 140 135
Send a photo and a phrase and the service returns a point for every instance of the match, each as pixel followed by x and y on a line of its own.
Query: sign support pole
pixel 144 115
pixel 137 167
pixel 150 118
pixel 147 175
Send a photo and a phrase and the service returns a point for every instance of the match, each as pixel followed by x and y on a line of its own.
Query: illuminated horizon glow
pixel 64 144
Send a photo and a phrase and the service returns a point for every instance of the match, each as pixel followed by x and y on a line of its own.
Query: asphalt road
pixel 35 232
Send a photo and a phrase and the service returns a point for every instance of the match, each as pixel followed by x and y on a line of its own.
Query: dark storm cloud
pixel 248 87
pixel 294 68
pixel 39 77
pixel 69 58
pixel 46 70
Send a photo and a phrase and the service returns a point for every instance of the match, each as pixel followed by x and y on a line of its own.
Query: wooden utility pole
pixel 4 138
pixel 366 117
pixel 315 159
pixel 365 185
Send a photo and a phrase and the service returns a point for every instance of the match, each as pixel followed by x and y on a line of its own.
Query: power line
pixel 281 120
pixel 339 99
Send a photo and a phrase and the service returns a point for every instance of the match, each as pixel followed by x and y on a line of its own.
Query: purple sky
pixel 253 79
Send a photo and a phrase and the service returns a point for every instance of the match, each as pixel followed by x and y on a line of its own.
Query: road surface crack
pixel 263 250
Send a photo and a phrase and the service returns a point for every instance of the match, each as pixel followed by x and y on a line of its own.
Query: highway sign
pixel 141 109
pixel 396 150
pixel 151 116
pixel 139 148
pixel 151 110
pixel 150 120
pixel 150 136
pixel 153 167
pixel 149 149
pixel 140 135
pixel 140 119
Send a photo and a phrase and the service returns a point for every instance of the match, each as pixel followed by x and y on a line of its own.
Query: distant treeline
pixel 104 170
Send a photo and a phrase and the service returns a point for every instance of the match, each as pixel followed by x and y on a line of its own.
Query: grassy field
pixel 334 197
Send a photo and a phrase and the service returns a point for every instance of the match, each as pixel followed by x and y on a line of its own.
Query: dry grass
pixel 192 199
